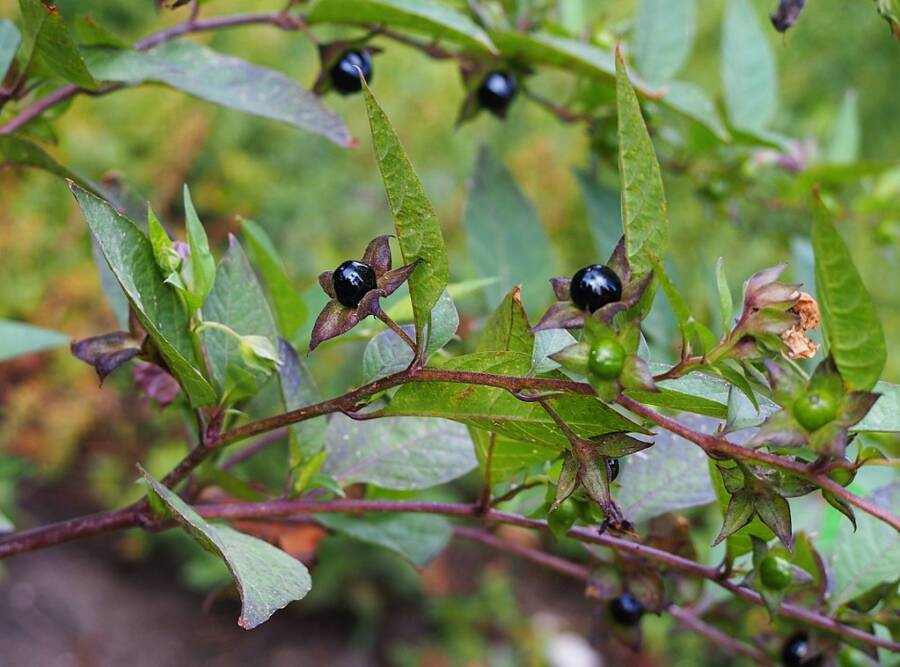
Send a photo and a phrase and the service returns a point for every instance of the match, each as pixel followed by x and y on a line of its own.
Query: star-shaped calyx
pixel 598 291
pixel 355 289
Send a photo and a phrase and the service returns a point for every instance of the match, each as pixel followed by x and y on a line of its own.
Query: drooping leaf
pixel 18 338
pixel 238 302
pixel 417 537
pixel 663 36
pixel 397 453
pixel 9 44
pixel 852 327
pixel 504 235
pixel 47 36
pixel 290 310
pixel 540 48
pixel 862 559
pixel 843 146
pixel 426 16
pixel 299 389
pixel 267 578
pixel 16 150
pixel 671 475
pixel 225 80
pixel 130 256
pixel 737 515
pixel 644 214
pixel 497 410
pixel 416 223
pixel 387 353
pixel 749 77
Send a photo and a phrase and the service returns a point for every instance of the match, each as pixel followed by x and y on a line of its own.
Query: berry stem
pixel 397 329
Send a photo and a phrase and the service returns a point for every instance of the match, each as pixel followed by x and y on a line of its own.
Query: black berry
pixel 497 91
pixel 626 609
pixel 797 652
pixel 595 286
pixel 613 465
pixel 352 281
pixel 344 76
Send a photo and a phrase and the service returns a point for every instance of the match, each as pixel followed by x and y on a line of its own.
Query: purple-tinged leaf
pixel 156 383
pixel 738 515
pixel 107 352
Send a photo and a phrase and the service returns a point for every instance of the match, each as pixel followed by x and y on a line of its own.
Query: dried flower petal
pixel 390 281
pixel 378 255
pixel 561 315
pixel 107 352
pixel 157 383
pixel 326 281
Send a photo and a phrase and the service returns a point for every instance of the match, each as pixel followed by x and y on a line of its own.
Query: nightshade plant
pixel 555 408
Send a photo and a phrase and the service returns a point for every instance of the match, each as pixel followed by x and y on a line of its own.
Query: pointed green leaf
pixel 504 235
pixel 47 36
pixel 541 48
pixel 507 328
pixel 663 36
pixel 415 221
pixel 290 310
pixel 568 480
pixel 167 258
pixel 238 302
pixel 220 79
pixel 852 327
pixel 644 214
pixel 419 538
pixel 749 77
pixel 9 44
pixel 774 511
pixel 498 410
pixel 15 150
pixel 18 338
pixel 202 262
pixel 299 389
pixel 679 306
pixel 884 417
pixel 425 16
pixel 130 256
pixel 692 102
pixel 267 578
pixel 726 304
pixel 738 515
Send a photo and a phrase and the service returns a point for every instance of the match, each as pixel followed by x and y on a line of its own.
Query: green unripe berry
pixel 775 572
pixel 607 359
pixel 815 409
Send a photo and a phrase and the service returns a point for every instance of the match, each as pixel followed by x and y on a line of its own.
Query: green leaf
pixel 862 559
pixel 663 36
pixel 497 410
pixel 18 338
pixel 671 475
pixel 397 453
pixel 402 310
pixel 843 146
pixel 690 101
pixel 726 304
pixel 130 256
pixel 547 342
pixel 387 353
pixel 749 76
pixel 504 234
pixel 425 16
pixel 267 578
pixel 290 310
pixel 238 302
pixel 509 456
pixel 539 48
pixel 15 150
pixel 604 212
pixel 47 37
pixel 679 306
pixel 884 417
pixel 167 258
pixel 202 262
pixel 644 214
pixel 225 80
pixel 9 44
pixel 417 537
pixel 852 328
pixel 415 221
pixel 507 329
pixel 299 389
pixel 774 511
pixel 737 515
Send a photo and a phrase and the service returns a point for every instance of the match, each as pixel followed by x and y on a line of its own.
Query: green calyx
pixel 815 409
pixel 775 572
pixel 606 359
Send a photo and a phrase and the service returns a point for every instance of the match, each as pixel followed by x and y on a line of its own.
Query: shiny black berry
pixel 613 465
pixel 797 652
pixel 344 76
pixel 352 281
pixel 626 609
pixel 595 286
pixel 497 91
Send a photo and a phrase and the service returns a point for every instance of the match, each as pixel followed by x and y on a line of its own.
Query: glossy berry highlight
pixel 814 410
pixel 606 359
pixel 595 286
pixel 352 281
pixel 775 573
pixel 626 609
pixel 797 652
pixel 344 75
pixel 497 91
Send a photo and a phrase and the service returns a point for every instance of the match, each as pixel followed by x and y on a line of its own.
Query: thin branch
pixel 718 447
pixel 397 329
pixel 729 643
